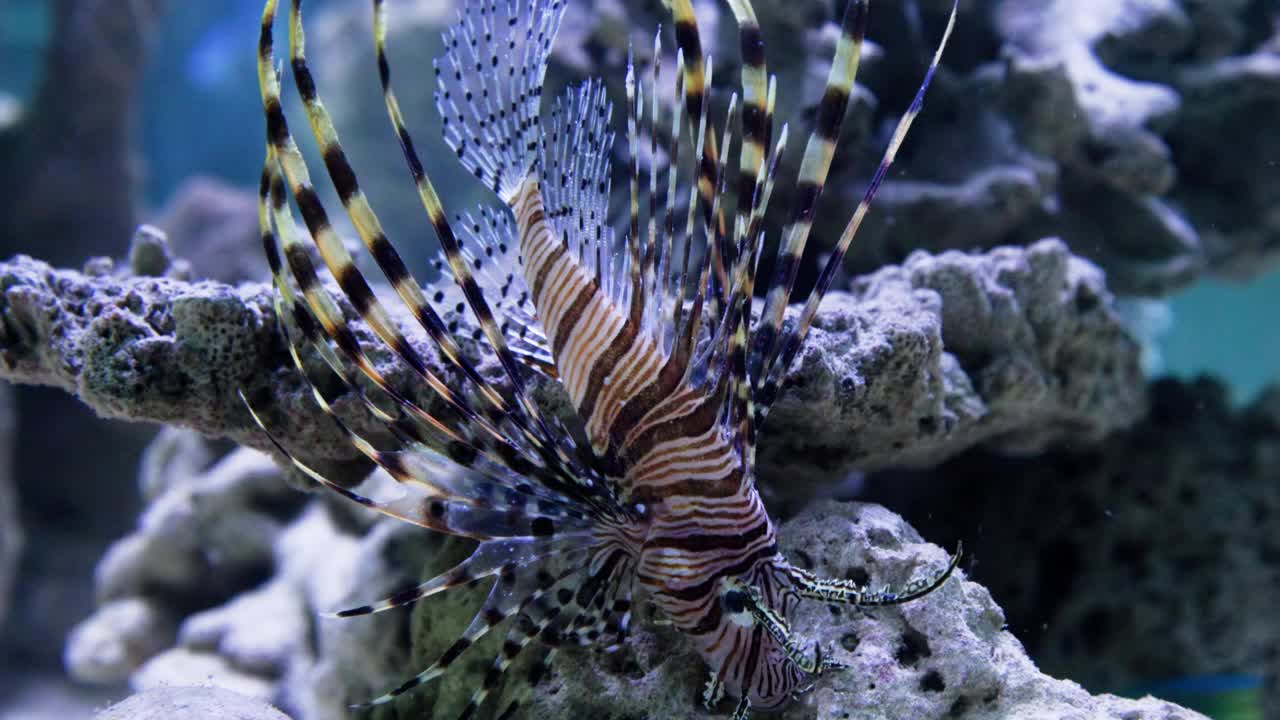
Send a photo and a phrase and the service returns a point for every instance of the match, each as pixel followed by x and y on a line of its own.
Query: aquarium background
pixel 192 135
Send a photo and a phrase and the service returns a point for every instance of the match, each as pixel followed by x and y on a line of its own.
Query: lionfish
pixel 652 486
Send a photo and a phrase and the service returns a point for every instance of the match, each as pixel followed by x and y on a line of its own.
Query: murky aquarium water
pixel 392 359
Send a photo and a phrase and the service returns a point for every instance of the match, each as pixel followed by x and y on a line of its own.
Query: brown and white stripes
pixel 655 482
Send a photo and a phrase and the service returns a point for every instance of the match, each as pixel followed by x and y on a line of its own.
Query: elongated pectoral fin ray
pixel 490 246
pixel 814 167
pixel 271 200
pixel 713 693
pixel 515 589
pixel 538 671
pixel 529 419
pixel 372 235
pixel 771 375
pixel 537 621
pixel 490 558
pixel 457 503
pixel 353 284
pixel 697 83
pixel 394 510
pixel 337 258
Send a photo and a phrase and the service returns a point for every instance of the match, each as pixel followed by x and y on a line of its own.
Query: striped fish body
pixel 660 360
pixel 699 515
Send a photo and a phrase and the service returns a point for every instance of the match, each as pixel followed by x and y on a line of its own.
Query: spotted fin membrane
pixel 651 486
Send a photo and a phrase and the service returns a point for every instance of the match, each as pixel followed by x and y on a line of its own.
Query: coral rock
pixel 1180 511
pixel 117 639
pixel 945 655
pixel 206 703
pixel 1018 348
pixel 1015 349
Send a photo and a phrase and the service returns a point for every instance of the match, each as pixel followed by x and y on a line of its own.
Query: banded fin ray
pixel 516 587
pixel 546 618
pixel 451 488
pixel 317 307
pixel 475 475
pixel 353 284
pixel 586 480
pixel 771 374
pixel 814 167
pixel 488 244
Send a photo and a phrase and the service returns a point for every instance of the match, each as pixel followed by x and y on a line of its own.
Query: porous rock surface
pixel 159 349
pixel 255 630
pixel 207 534
pixel 207 703
pixel 944 656
pixel 1017 348
pixel 223 580
pixel 1160 552
pixel 1014 349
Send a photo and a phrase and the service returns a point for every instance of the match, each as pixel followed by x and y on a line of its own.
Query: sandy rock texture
pixel 208 703
pixel 1156 550
pixel 250 623
pixel 1019 348
pixel 944 656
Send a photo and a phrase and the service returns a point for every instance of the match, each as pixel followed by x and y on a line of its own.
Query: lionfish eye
pixel 735 601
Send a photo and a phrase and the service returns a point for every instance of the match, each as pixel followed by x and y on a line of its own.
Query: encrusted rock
pixel 149 254
pixel 224 578
pixel 208 534
pixel 119 637
pixel 1159 560
pixel 1095 121
pixel 943 656
pixel 162 350
pixel 1015 349
pixel 207 703
pixel 177 667
pixel 1018 348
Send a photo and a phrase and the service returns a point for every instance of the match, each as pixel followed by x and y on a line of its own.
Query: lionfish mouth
pixel 648 330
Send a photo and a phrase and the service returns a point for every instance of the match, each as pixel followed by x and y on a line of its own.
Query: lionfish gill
pixel 649 331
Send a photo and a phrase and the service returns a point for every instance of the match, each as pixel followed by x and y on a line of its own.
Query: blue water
pixel 1229 329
